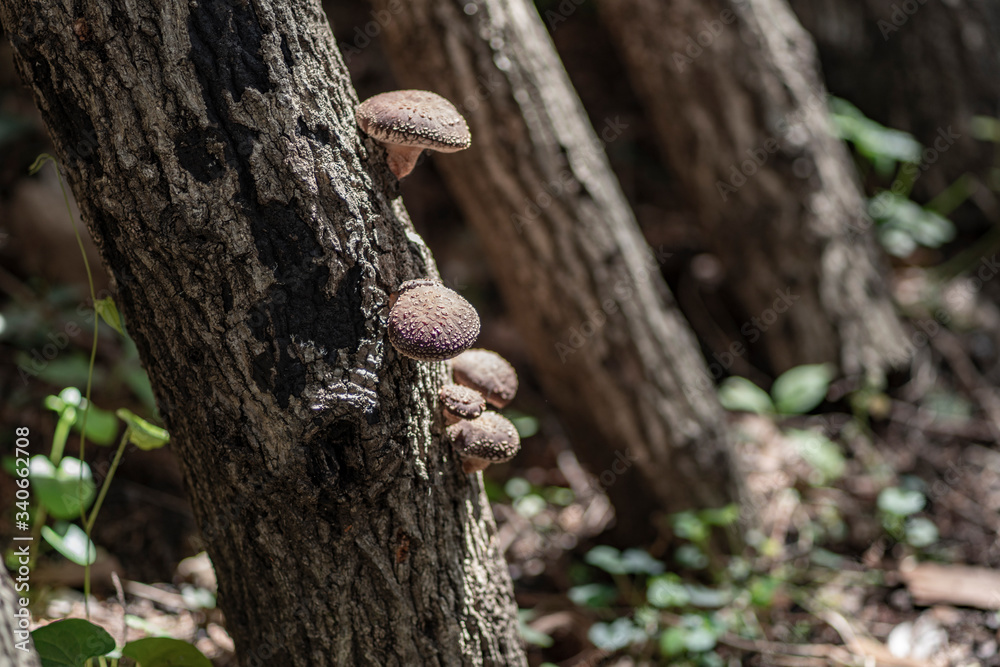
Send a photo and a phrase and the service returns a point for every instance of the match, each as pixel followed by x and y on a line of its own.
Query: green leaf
pixel 108 311
pixel 615 635
pixel 882 145
pixel 560 495
pixel 901 502
pixel 593 595
pixel 921 532
pixel 986 128
pixel 631 561
pixel 70 367
pixel 102 427
pixel 60 489
pixel 528 633
pixel 699 640
pixel 800 389
pixel 70 642
pixel 689 526
pixel 526 425
pixel 720 516
pixel 667 591
pixel 691 556
pixel 196 597
pixel 165 652
pixel 517 487
pixel 70 540
pixel 673 641
pixel 708 598
pixel 606 558
pixel 701 633
pixel 821 453
pixel 637 561
pixel 902 224
pixel 762 590
pixel 530 506
pixel 143 434
pixel 740 394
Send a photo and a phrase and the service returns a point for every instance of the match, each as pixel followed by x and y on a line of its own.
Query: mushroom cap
pixel 415 118
pixel 488 373
pixel 461 402
pixel 489 438
pixel 430 322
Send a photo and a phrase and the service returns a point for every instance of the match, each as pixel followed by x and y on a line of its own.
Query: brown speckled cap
pixel 488 373
pixel 408 121
pixel 489 438
pixel 430 322
pixel 461 402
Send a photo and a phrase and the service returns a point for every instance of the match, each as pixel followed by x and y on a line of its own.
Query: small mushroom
pixel 430 322
pixel 488 373
pixel 408 121
pixel 460 403
pixel 489 438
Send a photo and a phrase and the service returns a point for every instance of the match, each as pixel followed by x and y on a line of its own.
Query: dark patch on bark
pixel 337 461
pixel 345 316
pixel 193 153
pixel 296 302
pixel 286 53
pixel 227 297
pixel 320 134
pixel 283 239
pixel 76 133
pixel 226 49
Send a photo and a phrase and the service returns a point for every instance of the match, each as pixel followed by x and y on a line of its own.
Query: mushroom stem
pixel 402 159
pixel 470 466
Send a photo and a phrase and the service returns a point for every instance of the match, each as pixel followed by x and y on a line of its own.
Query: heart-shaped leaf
pixel 70 540
pixel 143 434
pixel 900 501
pixel 165 652
pixel 63 490
pixel 741 395
pixel 70 642
pixel 108 311
pixel 800 389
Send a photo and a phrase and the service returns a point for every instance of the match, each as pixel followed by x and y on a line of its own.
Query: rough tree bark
pixel 607 342
pixel 740 115
pixel 923 67
pixel 10 654
pixel 254 242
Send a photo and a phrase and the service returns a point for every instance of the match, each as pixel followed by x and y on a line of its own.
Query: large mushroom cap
pixel 430 322
pixel 489 438
pixel 488 373
pixel 414 118
pixel 461 403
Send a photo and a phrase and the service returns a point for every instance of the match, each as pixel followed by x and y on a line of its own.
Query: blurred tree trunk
pixel 607 342
pixel 15 651
pixel 922 67
pixel 740 114
pixel 254 251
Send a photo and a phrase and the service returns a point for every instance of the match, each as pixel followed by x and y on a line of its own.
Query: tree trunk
pixel 252 237
pixel 15 650
pixel 608 345
pixel 923 67
pixel 741 118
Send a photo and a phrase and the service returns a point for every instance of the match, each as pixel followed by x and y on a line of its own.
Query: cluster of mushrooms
pixel 428 321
